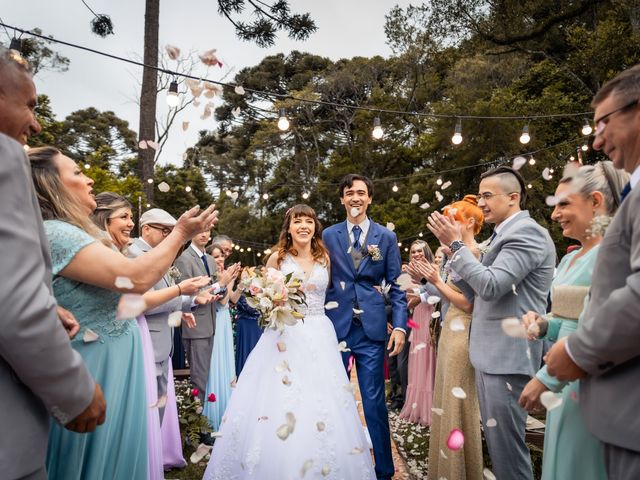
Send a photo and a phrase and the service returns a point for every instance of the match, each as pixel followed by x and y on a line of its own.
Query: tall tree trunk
pixel 148 94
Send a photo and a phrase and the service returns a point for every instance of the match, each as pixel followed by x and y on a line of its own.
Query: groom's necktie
pixel 206 265
pixel 625 191
pixel 356 230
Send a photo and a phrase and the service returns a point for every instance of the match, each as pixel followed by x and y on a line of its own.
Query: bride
pixel 293 413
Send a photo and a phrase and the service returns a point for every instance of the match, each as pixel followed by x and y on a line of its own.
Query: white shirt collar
pixel 197 250
pixel 144 242
pixel 500 227
pixel 635 177
pixel 364 226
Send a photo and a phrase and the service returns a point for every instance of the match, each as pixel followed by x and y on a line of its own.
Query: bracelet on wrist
pixel 179 289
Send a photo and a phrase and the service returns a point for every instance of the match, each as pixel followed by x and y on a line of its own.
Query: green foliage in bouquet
pixel 192 422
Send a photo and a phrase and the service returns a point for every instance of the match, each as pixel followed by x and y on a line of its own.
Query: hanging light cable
pixel 457 136
pixel 378 131
pixel 525 137
pixel 283 121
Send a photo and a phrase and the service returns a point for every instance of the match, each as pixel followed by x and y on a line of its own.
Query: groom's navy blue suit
pixel 366 336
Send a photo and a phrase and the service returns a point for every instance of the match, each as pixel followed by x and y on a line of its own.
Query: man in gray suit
pixel 40 374
pixel 513 277
pixel 605 349
pixel 198 341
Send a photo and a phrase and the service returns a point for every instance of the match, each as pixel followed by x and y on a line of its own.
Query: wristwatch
pixel 456 245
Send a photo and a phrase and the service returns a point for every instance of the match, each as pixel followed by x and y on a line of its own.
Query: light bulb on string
pixel 187 189
pixel 439 181
pixel 586 128
pixel 258 254
pixel 532 161
pixel 525 137
pixel 242 250
pixel 551 170
pixel 87 166
pixel 248 249
pixel 378 131
pixel 283 121
pixel 305 195
pixel 265 196
pixel 149 180
pixel 394 188
pixel 26 147
pixel 457 136
pixel 148 205
pixel 236 247
pixel 529 186
pixel 585 146
pixel 172 95
pixel 399 244
pixel 16 45
pixel 420 235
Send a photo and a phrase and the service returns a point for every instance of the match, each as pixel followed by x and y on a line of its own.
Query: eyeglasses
pixel 488 195
pixel 601 123
pixel 165 230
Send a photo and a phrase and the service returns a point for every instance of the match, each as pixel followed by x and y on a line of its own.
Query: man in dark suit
pixel 40 374
pixel 605 349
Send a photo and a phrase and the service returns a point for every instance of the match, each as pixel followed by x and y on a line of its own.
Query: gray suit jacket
pixel 190 265
pixel 521 255
pixel 607 341
pixel 40 374
pixel 157 318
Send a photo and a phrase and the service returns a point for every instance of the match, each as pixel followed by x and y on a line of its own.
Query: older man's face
pixel 227 249
pixel 17 106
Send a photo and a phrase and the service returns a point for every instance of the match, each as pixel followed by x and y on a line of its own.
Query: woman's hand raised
pixel 193 222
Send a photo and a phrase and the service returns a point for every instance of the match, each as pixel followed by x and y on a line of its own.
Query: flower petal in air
pixel 239 90
pixel 164 187
pixel 330 305
pixel 550 400
pixel 513 327
pixel 455 441
pixel 174 319
pixel 130 306
pixel 458 393
pixel 456 325
pixel 518 162
pixel 415 198
pixel 89 336
pixel 172 52
pixel 123 282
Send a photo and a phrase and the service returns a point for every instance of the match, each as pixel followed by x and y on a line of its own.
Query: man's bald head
pixel 17 97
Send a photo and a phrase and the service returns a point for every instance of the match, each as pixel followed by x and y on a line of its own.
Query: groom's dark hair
pixel 347 182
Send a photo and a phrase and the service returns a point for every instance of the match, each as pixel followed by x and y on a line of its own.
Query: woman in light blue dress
pixel 222 371
pixel 85 269
pixel 586 199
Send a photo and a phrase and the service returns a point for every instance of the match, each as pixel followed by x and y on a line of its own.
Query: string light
pixel 399 244
pixel 529 186
pixel 87 166
pixel 378 131
pixel 149 180
pixel 265 196
pixel 457 136
pixel 172 95
pixel 586 128
pixel 585 146
pixel 439 181
pixel 532 161
pixel 248 249
pixel 187 189
pixel 148 205
pixel 258 254
pixel 394 188
pixel 525 137
pixel 420 234
pixel 283 121
pixel 305 195
pixel 236 247
pixel 242 250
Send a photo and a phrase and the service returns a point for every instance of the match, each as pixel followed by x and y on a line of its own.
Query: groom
pixel 364 256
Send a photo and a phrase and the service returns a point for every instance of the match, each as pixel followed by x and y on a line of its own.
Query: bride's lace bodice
pixel 315 285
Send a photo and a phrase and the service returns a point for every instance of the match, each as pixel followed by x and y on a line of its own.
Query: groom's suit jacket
pixel 514 277
pixel 157 318
pixel 607 341
pixel 359 283
pixel 39 371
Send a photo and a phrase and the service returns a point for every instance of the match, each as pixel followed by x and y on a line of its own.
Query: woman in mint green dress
pixel 586 199
pixel 85 271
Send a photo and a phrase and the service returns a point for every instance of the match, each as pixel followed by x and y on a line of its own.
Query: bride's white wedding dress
pixel 309 381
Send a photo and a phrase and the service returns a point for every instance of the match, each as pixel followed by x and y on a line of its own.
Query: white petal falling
pixel 456 325
pixel 404 281
pixel 305 467
pixel 216 434
pixel 286 381
pixel 210 59
pixel 239 90
pixel 283 432
pixel 391 226
pixel 172 52
pixel 89 336
pixel 458 393
pixel 342 285
pixel 546 174
pixel 445 185
pixel 442 454
pixel 174 319
pixel 439 196
pixel 283 367
pixel 433 299
pixel 513 289
pixel 200 453
pixel 437 411
pixel 356 450
pixel 354 211
pixel 357 311
pixel 425 206
pixel 130 306
pixel 492 422
pixel 550 400
pixel 414 405
pixel 185 126
pixel 509 387
pixel 415 198
pixel 143 145
pixel 320 426
pixel 330 305
pixel 234 196
pixel 282 347
pixel 552 200
pixel 342 347
pixel 435 315
pixel 291 420
pixel 236 112
pixel 349 250
pixel 518 162
pixel 233 382
pixel 326 470
pixel 164 187
pixel 488 474
pixel 513 327
pixel 419 347
pixel 123 282
pixel 153 145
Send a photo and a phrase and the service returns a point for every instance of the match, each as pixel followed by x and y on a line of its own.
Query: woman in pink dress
pixel 422 354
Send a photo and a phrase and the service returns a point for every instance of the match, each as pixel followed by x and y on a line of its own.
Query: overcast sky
pixel 346 28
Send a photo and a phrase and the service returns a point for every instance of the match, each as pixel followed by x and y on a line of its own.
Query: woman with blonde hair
pixel 86 281
pixel 454 368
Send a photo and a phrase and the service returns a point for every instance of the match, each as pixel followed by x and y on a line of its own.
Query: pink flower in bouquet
pixel 255 288
pixel 195 392
pixel 212 397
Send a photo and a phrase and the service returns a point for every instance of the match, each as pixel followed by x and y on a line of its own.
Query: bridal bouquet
pixel 278 297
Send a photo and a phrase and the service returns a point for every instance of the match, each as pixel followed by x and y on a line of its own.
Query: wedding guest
pixel 422 355
pixel 454 369
pixel 248 331
pixel 513 277
pixel 222 369
pixel 85 271
pixel 224 243
pixel 587 198
pixel 604 350
pixel 172 456
pixel 41 374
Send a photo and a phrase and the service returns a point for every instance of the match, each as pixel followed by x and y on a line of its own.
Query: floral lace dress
pixel 118 448
pixel 296 378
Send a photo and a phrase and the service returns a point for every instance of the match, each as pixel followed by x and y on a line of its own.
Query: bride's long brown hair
pixel 285 242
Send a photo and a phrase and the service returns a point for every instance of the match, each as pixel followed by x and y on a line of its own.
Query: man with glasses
pixel 605 349
pixel 513 277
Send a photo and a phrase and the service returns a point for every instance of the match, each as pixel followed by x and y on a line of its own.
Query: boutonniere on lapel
pixel 374 252
pixel 174 274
